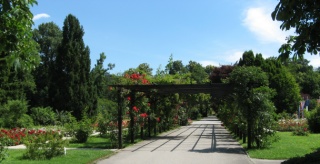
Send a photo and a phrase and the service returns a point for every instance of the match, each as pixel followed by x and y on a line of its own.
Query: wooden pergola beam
pixel 217 89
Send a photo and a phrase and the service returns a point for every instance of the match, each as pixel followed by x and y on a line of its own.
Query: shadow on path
pixel 203 141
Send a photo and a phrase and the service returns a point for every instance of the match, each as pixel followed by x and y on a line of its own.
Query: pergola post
pixel 149 124
pixel 120 99
pixel 131 114
pixel 154 104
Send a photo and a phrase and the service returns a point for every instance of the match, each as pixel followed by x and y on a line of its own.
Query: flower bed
pixel 297 126
pixel 16 136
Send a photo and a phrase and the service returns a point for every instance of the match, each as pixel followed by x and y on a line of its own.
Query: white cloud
pixel 314 60
pixel 258 20
pixel 40 16
pixel 206 63
pixel 233 57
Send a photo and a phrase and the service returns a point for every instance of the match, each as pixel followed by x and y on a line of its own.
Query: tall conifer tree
pixel 72 70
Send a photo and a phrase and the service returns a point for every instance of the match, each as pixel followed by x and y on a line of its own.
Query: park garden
pixel 55 104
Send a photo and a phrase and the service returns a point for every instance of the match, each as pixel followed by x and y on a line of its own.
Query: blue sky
pixel 149 31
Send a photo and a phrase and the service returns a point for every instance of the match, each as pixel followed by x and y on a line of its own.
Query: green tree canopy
pixel 17 47
pixel 303 16
pixel 254 102
pixel 280 79
pixel 144 68
pixel 48 36
pixel 198 72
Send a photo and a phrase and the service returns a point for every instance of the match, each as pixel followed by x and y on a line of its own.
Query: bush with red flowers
pixel 40 144
pixel 43 144
pixel 13 136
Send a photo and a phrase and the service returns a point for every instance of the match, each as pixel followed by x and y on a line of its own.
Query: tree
pixel 71 77
pixel 280 79
pixel 17 47
pixel 48 36
pixel 197 72
pixel 247 59
pixel 254 102
pixel 18 51
pixel 169 66
pixel 144 68
pixel 304 17
pixel 305 76
pixel 175 67
pixel 100 76
pixel 220 73
pixel 208 69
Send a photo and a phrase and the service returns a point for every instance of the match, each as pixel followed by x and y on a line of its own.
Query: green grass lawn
pixel 73 156
pixel 288 146
pixel 92 142
pixel 99 142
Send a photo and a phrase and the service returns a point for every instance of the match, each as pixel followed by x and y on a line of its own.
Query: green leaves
pixel 304 17
pixel 16 45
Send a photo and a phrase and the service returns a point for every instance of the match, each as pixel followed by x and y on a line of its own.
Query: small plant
pixel 183 117
pixel 301 130
pixel 3 150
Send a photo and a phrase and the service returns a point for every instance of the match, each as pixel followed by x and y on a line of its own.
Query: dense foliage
pixel 254 105
pixel 280 79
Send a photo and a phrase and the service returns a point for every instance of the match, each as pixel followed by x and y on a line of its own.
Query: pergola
pixel 215 89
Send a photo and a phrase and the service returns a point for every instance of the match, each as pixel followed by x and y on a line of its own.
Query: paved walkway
pixel 204 141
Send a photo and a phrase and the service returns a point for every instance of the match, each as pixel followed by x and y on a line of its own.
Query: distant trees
pixel 175 67
pixel 305 75
pixel 198 73
pixel 144 68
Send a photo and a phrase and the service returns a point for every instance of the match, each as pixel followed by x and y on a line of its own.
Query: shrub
pixel 195 114
pixel 314 120
pixel 64 117
pixel 183 116
pixel 84 130
pixel 284 116
pixel 313 104
pixel 25 121
pixel 13 114
pixel 103 127
pixel 43 116
pixel 301 131
pixel 70 125
pixel 44 144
